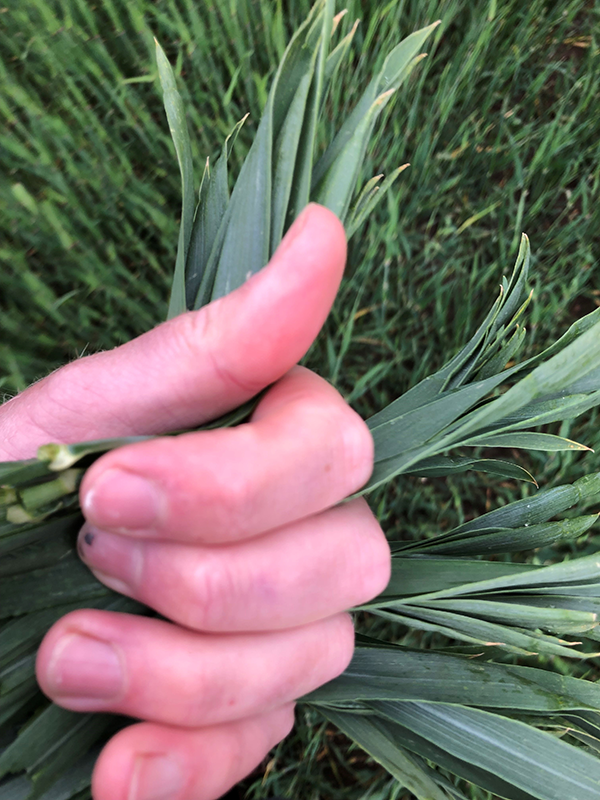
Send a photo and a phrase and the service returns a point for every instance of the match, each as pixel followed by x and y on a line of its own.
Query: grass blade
pixel 398 674
pixel 210 212
pixel 181 139
pixel 388 753
pixel 395 70
pixel 532 760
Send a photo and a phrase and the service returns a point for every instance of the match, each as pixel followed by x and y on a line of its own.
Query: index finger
pixel 304 450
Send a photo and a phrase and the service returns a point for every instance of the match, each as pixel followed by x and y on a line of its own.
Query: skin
pixel 235 536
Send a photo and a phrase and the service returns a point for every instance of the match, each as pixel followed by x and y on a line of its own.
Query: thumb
pixel 194 367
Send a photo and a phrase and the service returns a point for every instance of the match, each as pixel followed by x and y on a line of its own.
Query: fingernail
pixel 84 667
pixel 115 560
pixel 156 777
pixel 122 500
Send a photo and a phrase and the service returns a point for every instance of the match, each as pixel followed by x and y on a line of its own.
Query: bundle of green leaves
pixel 464 709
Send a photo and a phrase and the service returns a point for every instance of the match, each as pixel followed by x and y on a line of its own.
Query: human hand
pixel 233 534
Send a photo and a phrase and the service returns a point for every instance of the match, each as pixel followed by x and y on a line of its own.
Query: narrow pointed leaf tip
pixel 226 239
pixel 175 111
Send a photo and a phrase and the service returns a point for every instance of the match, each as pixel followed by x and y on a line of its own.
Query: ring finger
pixel 147 668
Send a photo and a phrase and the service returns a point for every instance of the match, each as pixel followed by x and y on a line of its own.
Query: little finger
pixel 156 762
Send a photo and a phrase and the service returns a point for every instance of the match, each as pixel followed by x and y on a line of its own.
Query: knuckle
pixel 350 452
pixel 371 555
pixel 214 592
pixel 325 654
pixel 61 398
pixel 231 375
pixel 286 684
pixel 357 449
pixel 199 695
pixel 237 753
pixel 203 334
pixel 232 497
pixel 188 335
pixel 281 724
pixel 340 646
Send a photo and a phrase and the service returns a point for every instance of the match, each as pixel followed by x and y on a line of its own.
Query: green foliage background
pixel 500 124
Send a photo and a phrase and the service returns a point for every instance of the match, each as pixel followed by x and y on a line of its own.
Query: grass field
pixel 500 124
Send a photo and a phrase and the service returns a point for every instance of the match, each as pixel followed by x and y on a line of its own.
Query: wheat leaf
pixel 445 465
pixel 386 750
pixel 399 674
pixel 178 126
pixel 213 199
pixel 532 760
pixel 395 70
pixel 526 441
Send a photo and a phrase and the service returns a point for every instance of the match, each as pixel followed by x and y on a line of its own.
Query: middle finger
pixel 304 572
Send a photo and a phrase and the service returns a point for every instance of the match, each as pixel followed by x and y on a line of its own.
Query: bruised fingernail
pixel 115 560
pixel 121 500
pixel 156 777
pixel 85 668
